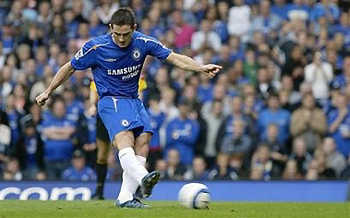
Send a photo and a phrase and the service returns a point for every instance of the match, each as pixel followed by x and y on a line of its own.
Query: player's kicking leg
pixel 141 150
pixel 135 172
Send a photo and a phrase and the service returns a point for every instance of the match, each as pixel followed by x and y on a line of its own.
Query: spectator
pixel 238 142
pixel 182 133
pixel 291 171
pixel 287 85
pixel 30 148
pixel 5 138
pixel 251 67
pixel 273 114
pixel 265 83
pixel 157 118
pixel 312 172
pixel 261 166
pixel 58 32
pixel 346 172
pixel 265 21
pixel 183 31
pixel 325 9
pixel 301 155
pixel 198 171
pixel 335 160
pixel 13 116
pixel 323 171
pixel 86 133
pixel 239 19
pixel 319 74
pixel 309 122
pixel 222 170
pixel 12 171
pixel 298 11
pixel 78 171
pixel 205 38
pixel 96 28
pixel 174 169
pixel 219 26
pixel 161 167
pixel 339 125
pixel 226 129
pixel 214 120
pixel 74 106
pixel 344 78
pixel 57 131
pixel 279 8
pixel 278 149
pixel 294 65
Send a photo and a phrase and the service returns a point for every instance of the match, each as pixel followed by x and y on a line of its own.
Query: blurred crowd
pixel 279 109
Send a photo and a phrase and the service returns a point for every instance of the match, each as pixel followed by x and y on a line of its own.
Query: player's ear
pixel 135 27
pixel 110 26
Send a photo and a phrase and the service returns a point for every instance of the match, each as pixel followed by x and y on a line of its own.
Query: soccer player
pixel 102 140
pixel 116 60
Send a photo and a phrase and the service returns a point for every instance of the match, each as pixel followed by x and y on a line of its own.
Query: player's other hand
pixel 42 98
pixel 211 69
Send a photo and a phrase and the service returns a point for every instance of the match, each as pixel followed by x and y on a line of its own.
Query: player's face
pixel 122 34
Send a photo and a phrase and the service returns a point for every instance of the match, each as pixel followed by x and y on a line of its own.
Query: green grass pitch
pixel 104 209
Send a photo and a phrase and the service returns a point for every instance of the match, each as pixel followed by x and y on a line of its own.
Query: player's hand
pixel 42 98
pixel 92 110
pixel 211 69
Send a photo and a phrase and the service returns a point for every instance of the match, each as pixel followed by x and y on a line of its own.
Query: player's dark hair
pixel 123 16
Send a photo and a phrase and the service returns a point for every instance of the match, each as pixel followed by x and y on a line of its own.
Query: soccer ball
pixel 194 195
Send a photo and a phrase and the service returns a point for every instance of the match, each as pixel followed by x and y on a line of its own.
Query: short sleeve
pixel 85 57
pixel 157 49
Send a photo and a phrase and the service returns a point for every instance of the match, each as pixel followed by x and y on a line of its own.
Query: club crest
pixel 136 54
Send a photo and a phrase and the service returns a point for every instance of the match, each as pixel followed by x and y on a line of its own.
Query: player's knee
pixel 123 140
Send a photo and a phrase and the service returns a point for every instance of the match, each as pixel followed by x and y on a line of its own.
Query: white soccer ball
pixel 194 195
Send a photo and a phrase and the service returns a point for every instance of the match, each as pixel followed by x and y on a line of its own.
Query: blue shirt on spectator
pixel 74 110
pixel 57 149
pixel 99 30
pixel 13 118
pixel 280 117
pixel 72 174
pixel 156 120
pixel 280 11
pixel 182 135
pixel 343 144
pixel 31 147
pixel 319 10
pixel 205 93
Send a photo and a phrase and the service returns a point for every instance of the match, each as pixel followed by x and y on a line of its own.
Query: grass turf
pixel 63 209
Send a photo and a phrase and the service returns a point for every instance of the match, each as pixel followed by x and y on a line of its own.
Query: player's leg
pixel 141 150
pixel 103 147
pixel 101 167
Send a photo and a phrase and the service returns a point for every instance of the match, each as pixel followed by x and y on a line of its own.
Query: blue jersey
pixel 182 135
pixel 343 143
pixel 156 120
pixel 72 174
pixel 116 70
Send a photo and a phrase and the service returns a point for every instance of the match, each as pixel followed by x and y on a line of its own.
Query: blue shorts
pixel 127 114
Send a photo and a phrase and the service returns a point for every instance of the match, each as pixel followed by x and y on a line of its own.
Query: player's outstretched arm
pixel 186 63
pixel 62 75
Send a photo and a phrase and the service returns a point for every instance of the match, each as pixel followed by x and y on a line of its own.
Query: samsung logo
pixel 125 70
